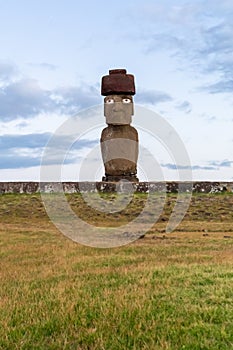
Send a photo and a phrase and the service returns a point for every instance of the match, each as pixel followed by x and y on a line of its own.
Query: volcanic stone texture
pixel 119 148
pixel 144 187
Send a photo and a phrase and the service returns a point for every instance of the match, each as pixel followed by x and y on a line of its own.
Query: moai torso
pixel 119 147
pixel 119 140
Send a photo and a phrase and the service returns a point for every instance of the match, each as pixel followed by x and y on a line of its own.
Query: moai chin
pixel 119 140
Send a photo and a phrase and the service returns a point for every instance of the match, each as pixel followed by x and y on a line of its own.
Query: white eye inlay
pixel 109 101
pixel 126 100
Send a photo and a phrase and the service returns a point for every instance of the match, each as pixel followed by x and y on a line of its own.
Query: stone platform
pixel 143 187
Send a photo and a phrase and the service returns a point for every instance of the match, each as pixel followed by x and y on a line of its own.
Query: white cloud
pixel 197 35
pixel 26 99
pixel 185 106
pixel 152 97
pixel 8 70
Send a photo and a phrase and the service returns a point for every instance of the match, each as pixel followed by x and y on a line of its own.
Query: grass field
pixel 165 291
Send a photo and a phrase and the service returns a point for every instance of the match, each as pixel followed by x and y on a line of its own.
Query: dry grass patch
pixel 169 291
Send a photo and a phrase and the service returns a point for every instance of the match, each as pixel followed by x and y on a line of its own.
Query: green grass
pixel 171 291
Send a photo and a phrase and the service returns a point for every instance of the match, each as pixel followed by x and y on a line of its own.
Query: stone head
pixel 119 88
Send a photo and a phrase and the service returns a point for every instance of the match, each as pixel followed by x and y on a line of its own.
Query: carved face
pixel 118 109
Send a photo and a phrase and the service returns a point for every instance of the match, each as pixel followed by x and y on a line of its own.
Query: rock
pixel 117 82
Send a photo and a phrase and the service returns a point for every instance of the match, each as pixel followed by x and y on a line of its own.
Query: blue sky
pixel 54 53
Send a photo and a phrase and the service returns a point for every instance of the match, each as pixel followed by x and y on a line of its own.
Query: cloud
pixel 71 98
pixel 39 140
pixel 225 163
pixel 7 71
pixel 44 65
pixel 187 167
pixel 20 151
pixel 159 41
pixel 8 142
pixel 213 165
pixel 198 35
pixel 223 86
pixel 185 106
pixel 211 119
pixel 26 99
pixel 218 50
pixel 167 12
pixel 152 97
pixel 15 161
pixel 168 26
pixel 217 39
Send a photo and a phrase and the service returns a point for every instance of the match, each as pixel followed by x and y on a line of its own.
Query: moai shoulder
pixel 127 131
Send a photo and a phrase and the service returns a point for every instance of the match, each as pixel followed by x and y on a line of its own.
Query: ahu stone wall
pixel 76 187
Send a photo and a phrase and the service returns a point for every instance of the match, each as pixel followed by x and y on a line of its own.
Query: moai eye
pixel 126 100
pixel 109 101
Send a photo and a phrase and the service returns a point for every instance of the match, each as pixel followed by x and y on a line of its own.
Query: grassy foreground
pixel 171 291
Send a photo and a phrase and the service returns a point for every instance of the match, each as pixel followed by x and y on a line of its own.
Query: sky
pixel 54 53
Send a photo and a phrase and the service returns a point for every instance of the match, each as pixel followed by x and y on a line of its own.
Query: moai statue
pixel 119 140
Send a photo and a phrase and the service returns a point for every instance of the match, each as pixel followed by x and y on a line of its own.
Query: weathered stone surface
pixel 144 187
pixel 118 109
pixel 119 147
pixel 19 187
pixel 117 82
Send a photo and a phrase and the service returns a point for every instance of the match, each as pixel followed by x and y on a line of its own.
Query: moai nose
pixel 117 106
